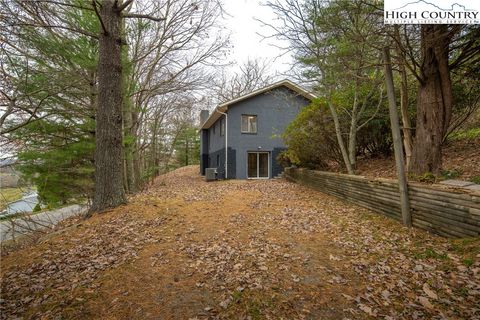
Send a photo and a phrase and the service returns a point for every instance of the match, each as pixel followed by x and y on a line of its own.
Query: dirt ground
pixel 187 249
pixel 461 157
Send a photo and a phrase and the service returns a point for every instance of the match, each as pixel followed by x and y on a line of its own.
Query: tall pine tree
pixel 54 79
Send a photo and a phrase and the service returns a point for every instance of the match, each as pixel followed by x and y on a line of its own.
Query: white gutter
pixel 226 142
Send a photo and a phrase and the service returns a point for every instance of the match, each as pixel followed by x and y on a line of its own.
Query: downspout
pixel 226 142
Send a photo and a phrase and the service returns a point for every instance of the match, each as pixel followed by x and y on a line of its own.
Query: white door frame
pixel 258 165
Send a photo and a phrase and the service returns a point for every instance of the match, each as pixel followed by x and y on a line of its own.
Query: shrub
pixel 311 139
pixel 284 159
pixel 465 134
pixel 475 179
pixel 451 174
pixel 375 139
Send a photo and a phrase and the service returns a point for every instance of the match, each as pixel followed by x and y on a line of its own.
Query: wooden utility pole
pixel 397 140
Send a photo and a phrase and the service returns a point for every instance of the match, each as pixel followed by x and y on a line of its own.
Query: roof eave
pixel 223 107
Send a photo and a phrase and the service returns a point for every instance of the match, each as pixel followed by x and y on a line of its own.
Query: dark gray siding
pixel 203 151
pixel 274 111
pixel 216 148
pixel 215 141
pixel 218 161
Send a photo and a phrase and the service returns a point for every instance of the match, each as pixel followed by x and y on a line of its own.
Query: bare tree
pixel 335 44
pixel 404 98
pixel 170 60
pixel 169 41
pixel 252 75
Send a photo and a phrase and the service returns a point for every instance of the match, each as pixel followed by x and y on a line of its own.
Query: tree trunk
pixel 352 135
pixel 340 141
pixel 125 171
pixel 109 191
pixel 137 167
pixel 434 101
pixel 186 151
pixel 352 141
pixel 407 126
pixel 137 177
pixel 130 131
pixel 154 154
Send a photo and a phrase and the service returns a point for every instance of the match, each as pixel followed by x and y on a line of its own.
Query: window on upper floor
pixel 222 126
pixel 249 123
pixel 214 125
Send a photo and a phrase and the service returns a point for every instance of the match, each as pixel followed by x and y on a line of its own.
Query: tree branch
pixel 143 16
pixel 94 3
pixel 124 5
pixel 85 33
pixel 72 5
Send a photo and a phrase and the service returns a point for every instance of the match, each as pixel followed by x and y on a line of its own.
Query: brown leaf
pixel 367 310
pixel 425 302
pixel 429 292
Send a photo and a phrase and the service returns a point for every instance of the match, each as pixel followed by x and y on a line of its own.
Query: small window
pixel 218 160
pixel 214 125
pixel 222 127
pixel 249 123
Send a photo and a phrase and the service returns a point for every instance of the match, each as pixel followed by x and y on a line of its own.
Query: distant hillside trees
pixel 250 76
pixel 187 145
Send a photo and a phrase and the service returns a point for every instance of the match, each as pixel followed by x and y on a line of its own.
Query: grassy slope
pixel 8 195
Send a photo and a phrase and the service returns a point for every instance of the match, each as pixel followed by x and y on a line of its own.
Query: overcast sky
pixel 244 33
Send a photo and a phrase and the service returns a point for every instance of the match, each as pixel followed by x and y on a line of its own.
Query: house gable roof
pixel 214 116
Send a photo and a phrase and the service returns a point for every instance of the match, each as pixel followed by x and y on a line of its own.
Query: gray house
pixel 247 131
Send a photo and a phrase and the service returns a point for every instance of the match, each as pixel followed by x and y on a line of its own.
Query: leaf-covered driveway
pixel 186 249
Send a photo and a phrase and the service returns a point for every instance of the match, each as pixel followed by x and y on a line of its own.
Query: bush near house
pixel 311 140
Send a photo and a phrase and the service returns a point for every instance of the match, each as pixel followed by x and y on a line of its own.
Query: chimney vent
pixel 203 116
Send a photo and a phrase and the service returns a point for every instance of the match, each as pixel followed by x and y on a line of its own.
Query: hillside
pixel 461 160
pixel 187 249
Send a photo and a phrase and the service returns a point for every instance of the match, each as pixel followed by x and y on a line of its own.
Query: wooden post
pixel 397 141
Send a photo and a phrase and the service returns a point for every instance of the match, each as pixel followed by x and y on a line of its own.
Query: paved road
pixel 22 226
pixel 26 204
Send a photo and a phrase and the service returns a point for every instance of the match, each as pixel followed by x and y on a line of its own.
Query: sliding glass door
pixel 258 165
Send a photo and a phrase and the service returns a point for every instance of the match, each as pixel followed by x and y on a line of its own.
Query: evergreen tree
pixel 187 146
pixel 55 82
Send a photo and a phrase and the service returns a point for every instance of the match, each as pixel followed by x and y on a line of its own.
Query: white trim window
pixel 258 165
pixel 222 126
pixel 249 123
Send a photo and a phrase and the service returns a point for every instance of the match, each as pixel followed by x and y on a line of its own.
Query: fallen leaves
pixel 429 292
pixel 75 263
pixel 288 252
pixel 425 302
pixel 368 310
